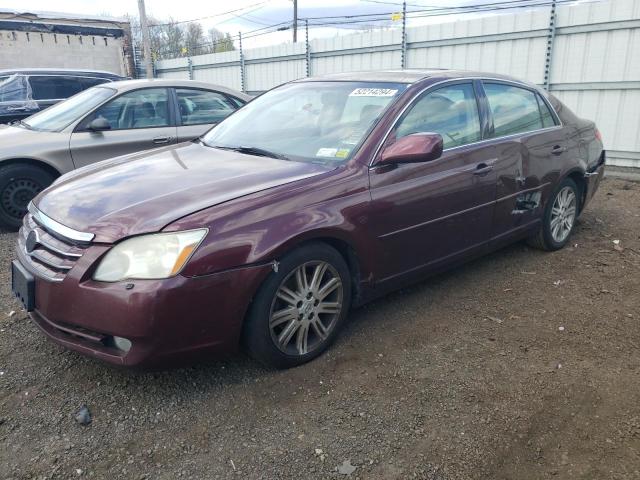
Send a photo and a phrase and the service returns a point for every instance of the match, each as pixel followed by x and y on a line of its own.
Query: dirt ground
pixel 522 365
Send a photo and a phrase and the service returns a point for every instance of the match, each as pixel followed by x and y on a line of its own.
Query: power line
pixel 209 16
pixel 452 10
pixel 246 16
pixel 486 7
pixel 364 20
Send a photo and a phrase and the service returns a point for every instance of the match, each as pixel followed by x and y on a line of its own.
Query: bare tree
pixel 170 39
pixel 221 42
pixel 194 40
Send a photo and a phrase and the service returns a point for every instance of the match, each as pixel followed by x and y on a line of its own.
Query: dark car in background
pixel 105 121
pixel 318 195
pixel 24 92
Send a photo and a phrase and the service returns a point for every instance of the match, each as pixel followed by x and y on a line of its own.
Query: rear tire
pixel 559 218
pixel 299 309
pixel 19 184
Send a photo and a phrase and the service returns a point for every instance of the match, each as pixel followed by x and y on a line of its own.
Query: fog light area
pixel 122 344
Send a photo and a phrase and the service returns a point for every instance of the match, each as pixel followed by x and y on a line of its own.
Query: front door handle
pixel 558 150
pixel 482 169
pixel 161 140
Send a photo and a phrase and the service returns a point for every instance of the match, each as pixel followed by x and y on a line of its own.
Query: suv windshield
pixel 61 114
pixel 307 121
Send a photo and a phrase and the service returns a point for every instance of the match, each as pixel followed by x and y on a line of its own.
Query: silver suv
pixel 102 122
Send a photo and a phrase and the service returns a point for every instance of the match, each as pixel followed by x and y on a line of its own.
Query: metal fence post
pixel 306 46
pixel 403 59
pixel 190 66
pixel 550 40
pixel 242 78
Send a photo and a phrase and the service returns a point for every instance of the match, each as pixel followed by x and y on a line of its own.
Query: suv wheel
pixel 19 184
pixel 299 310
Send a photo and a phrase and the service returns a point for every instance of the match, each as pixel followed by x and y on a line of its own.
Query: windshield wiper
pixel 22 123
pixel 260 152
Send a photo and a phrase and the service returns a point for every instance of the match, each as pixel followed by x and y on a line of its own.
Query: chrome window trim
pixel 59 228
pixel 462 80
pixel 503 137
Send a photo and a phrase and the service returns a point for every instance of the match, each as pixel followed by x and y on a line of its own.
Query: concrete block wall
pixel 48 50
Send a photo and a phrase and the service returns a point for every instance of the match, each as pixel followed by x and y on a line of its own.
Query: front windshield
pixel 61 114
pixel 308 121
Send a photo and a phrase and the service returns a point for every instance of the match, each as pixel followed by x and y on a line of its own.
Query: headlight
pixel 155 256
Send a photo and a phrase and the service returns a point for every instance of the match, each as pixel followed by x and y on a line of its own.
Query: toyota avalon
pixel 317 196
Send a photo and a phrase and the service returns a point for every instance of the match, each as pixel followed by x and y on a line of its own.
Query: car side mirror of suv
pixel 98 125
pixel 417 147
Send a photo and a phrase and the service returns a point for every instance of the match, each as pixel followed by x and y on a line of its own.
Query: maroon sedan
pixel 317 196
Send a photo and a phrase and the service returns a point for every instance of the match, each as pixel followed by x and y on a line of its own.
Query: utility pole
pixel 403 58
pixel 295 21
pixel 145 39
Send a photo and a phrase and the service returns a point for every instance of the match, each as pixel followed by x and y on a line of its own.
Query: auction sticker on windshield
pixel 373 92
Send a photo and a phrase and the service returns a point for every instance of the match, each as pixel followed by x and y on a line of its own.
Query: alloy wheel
pixel 306 308
pixel 563 214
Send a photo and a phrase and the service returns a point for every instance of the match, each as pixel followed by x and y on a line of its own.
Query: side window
pixel 515 110
pixel 450 111
pixel 13 89
pixel 198 107
pixel 548 119
pixel 53 87
pixel 143 108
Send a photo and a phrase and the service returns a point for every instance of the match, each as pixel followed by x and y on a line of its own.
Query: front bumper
pixel 169 322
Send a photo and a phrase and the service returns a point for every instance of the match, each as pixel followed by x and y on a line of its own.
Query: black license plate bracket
pixel 23 285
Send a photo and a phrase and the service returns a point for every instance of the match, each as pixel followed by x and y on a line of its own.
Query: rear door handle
pixel 558 149
pixel 482 169
pixel 161 140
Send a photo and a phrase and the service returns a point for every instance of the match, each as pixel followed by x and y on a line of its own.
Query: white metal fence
pixel 588 54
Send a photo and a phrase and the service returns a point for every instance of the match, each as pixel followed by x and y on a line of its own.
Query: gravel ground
pixel 522 365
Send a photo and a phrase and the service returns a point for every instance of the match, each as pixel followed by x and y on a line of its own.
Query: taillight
pixel 598 135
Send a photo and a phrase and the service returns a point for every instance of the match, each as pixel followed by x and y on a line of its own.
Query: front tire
pixel 299 309
pixel 559 217
pixel 19 184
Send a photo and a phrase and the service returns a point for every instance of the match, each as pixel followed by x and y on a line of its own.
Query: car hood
pixel 144 192
pixel 18 141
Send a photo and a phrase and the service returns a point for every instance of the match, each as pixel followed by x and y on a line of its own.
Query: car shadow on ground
pixel 363 321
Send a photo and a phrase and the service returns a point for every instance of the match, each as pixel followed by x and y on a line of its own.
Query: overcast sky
pixel 245 15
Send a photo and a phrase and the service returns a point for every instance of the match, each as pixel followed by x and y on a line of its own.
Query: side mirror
pixel 99 124
pixel 417 147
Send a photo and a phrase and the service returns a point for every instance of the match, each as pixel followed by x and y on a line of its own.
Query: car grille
pixel 51 255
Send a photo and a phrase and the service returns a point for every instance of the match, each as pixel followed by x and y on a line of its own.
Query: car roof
pixel 59 71
pixel 125 85
pixel 408 76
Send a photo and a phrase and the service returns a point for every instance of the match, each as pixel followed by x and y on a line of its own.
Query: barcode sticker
pixel 373 92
